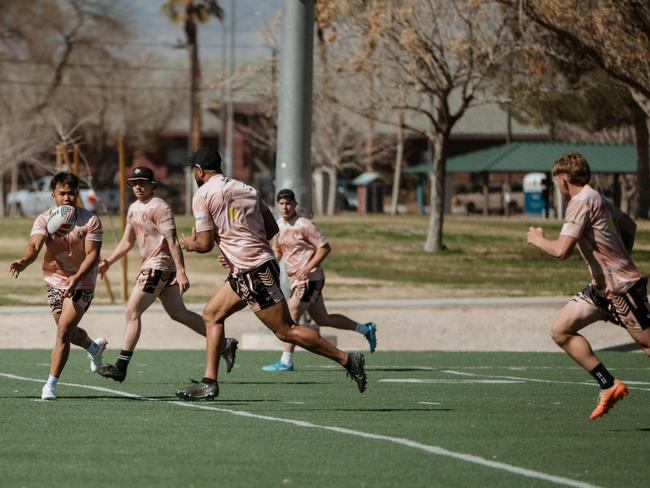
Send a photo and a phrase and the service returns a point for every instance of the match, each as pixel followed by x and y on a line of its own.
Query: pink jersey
pixel 298 240
pixel 151 221
pixel 233 210
pixel 64 255
pixel 591 218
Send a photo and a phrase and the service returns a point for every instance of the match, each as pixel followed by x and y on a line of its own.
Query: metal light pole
pixel 230 112
pixel 293 163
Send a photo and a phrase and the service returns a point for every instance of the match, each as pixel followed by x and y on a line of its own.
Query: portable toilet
pixel 534 201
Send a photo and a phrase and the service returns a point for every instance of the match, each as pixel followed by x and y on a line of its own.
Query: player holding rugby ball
pixel 69 271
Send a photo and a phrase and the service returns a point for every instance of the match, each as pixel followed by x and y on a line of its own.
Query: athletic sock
pixel 361 329
pixel 208 381
pixel 93 348
pixel 603 377
pixel 287 358
pixel 52 380
pixel 123 360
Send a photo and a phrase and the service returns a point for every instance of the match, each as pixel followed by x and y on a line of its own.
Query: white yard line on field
pixel 439 451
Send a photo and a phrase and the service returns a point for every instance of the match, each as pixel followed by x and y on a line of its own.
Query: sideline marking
pixel 430 403
pixel 529 473
pixel 450 382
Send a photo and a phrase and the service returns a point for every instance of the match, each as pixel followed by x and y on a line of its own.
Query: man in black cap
pixel 150 221
pixel 233 215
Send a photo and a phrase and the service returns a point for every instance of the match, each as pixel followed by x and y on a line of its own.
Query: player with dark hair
pixel 233 215
pixel 302 248
pixel 150 222
pixel 70 273
pixel 617 292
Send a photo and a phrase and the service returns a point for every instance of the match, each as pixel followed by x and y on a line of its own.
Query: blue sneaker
pixel 371 336
pixel 278 367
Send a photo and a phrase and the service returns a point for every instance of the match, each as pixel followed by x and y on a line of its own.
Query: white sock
pixel 287 358
pixel 93 348
pixel 361 329
pixel 52 380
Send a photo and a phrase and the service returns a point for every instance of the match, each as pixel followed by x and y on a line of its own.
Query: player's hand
pixel 303 273
pixel 17 267
pixel 535 234
pixel 103 268
pixel 187 243
pixel 72 283
pixel 182 282
pixel 223 261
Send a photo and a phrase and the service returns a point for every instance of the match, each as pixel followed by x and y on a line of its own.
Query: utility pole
pixel 230 111
pixel 293 163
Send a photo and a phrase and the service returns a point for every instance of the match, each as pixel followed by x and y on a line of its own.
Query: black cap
pixel 142 173
pixel 207 158
pixel 287 195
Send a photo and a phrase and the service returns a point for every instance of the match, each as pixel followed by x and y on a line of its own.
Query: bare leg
pixel 66 325
pixel 642 338
pixel 573 317
pixel 278 319
pixel 139 301
pixel 175 307
pixel 296 309
pixel 222 305
pixel 319 313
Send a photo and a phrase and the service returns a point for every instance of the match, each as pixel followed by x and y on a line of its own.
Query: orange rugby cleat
pixel 608 398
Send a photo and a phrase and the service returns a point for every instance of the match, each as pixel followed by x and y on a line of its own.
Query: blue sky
pixel 151 27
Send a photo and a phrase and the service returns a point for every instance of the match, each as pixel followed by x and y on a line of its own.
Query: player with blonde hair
pixel 617 292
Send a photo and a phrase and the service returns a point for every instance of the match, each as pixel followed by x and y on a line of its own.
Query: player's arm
pixel 30 253
pixel 277 250
pixel 123 247
pixel 200 242
pixel 560 248
pixel 270 225
pixel 92 249
pixel 318 257
pixel 177 256
pixel 627 228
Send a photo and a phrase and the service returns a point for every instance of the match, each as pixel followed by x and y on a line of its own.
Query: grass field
pixel 373 257
pixel 427 419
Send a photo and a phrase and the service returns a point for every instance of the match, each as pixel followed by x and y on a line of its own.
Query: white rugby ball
pixel 62 220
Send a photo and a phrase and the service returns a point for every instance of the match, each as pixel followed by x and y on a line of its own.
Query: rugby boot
pixel 355 369
pixel 278 367
pixel 608 398
pixel 113 372
pixel 199 391
pixel 229 352
pixel 371 336
pixel 96 359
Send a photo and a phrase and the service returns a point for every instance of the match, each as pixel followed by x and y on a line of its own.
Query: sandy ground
pixel 403 325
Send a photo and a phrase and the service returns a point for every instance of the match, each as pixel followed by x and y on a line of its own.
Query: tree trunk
pixel 643 160
pixel 437 199
pixel 399 155
pixel 331 190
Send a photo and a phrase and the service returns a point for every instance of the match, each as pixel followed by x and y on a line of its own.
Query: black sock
pixel 208 381
pixel 602 376
pixel 123 360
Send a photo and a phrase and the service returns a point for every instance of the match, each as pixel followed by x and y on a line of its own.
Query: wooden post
pixel 75 159
pixel 59 162
pixel 66 157
pixel 122 176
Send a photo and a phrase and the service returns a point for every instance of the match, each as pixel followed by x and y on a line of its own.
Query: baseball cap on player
pixel 141 173
pixel 286 194
pixel 207 158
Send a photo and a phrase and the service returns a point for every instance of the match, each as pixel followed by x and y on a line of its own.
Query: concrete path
pixel 455 324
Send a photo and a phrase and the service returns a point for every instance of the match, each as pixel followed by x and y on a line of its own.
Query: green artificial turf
pixel 421 413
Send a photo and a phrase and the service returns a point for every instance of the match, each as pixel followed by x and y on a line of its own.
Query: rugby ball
pixel 62 220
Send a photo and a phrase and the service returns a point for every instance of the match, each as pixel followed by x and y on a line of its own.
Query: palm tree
pixel 191 13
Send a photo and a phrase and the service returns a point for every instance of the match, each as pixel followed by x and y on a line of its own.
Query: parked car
pixel 467 203
pixel 32 201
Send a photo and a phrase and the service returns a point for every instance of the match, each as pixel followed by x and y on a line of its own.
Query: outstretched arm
pixel 122 248
pixel 33 247
pixel 200 242
pixel 560 248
